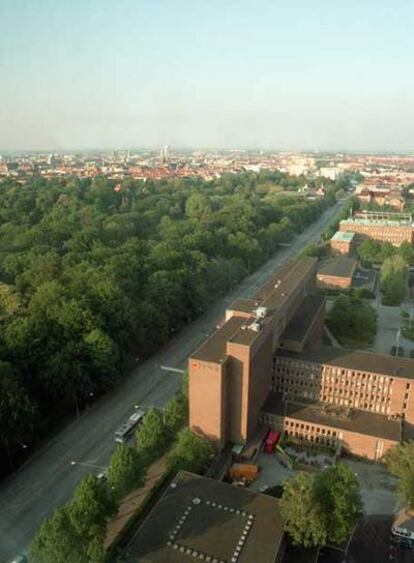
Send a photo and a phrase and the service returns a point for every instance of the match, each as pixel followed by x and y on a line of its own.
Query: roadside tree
pixel 126 470
pixel 152 435
pixel 190 452
pixel 400 462
pixel 321 508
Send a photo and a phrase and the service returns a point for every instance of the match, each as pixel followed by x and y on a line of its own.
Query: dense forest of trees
pixel 92 271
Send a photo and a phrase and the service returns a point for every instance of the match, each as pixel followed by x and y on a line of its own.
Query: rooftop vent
pixel 256 326
pixel 260 312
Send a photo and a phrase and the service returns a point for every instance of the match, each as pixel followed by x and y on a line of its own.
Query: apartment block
pixel 395 228
pixel 265 365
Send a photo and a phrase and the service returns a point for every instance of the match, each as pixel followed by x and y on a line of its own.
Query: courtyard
pixel 377 485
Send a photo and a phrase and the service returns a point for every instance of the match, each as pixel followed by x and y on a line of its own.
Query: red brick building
pixel 343 243
pixel 336 273
pixel 381 227
pixel 266 365
pixel 230 375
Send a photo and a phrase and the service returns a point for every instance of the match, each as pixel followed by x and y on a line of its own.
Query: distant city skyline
pixel 299 76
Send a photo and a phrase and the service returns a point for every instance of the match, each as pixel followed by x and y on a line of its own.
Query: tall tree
pixel 400 462
pixel 126 470
pixel 322 508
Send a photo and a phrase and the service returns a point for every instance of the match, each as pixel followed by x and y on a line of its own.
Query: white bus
pixel 126 430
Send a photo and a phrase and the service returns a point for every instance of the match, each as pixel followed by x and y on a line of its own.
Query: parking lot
pixel 377 485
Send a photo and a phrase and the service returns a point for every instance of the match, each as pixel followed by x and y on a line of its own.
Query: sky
pixel 269 74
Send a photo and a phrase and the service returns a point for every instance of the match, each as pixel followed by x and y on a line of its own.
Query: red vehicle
pixel 272 439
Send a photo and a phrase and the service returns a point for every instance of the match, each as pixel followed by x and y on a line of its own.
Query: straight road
pixel 48 478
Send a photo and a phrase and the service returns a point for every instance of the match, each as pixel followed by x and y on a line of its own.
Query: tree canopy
pixel 353 321
pixel 321 508
pixel 126 470
pixel 90 275
pixel 191 452
pixel 400 462
pixel 393 280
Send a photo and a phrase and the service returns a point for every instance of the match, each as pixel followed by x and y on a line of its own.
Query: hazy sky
pixel 321 74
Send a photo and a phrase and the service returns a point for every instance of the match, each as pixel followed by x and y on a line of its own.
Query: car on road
pixel 102 476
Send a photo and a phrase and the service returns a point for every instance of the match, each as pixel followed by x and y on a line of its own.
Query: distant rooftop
pixel 354 360
pixel 388 218
pixel 273 294
pixel 384 222
pixel 203 519
pixel 338 267
pixel 343 236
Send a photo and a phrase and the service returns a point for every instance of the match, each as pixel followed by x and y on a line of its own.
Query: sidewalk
pixel 131 503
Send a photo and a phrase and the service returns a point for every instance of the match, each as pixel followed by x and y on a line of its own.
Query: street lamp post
pixel 397 341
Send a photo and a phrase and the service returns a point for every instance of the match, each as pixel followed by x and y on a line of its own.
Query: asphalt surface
pixel 49 478
pixel 371 541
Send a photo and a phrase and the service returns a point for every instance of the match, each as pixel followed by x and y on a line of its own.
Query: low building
pixel 336 273
pixel 343 243
pixel 395 228
pixel 368 381
pixel 203 519
pixel 354 431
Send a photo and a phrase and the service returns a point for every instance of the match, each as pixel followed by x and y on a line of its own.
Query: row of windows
pixel 361 404
pixel 335 375
pixel 323 440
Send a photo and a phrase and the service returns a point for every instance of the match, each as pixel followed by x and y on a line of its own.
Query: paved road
pixel 389 324
pixel 48 479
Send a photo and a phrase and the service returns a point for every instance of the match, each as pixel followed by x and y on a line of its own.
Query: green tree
pixel 305 520
pixel 400 462
pixel 369 251
pixel 126 470
pixel 57 541
pixel 321 508
pixel 393 280
pixel 176 413
pixel 406 252
pixel 312 249
pixel 386 250
pixel 338 492
pixel 191 452
pixel 17 412
pixel 89 511
pixel 152 435
pixel 352 321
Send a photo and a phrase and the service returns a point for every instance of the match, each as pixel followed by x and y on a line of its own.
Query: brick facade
pixel 265 363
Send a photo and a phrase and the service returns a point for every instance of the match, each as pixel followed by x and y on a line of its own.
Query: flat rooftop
pixel 272 295
pixel 282 284
pixel 244 305
pixel 380 222
pixel 202 519
pixel 358 421
pixel 338 267
pixel 303 319
pixel 356 360
pixel 342 236
pixel 214 349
